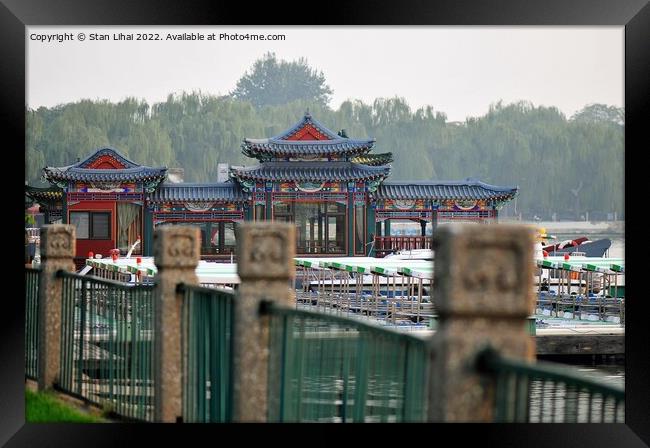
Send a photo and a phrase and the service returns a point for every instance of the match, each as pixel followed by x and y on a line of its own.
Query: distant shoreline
pixel 570 227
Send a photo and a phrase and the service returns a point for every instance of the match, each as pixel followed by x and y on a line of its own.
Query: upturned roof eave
pixel 467 182
pixel 188 192
pixel 456 190
pixel 80 174
pixel 306 119
pixel 340 171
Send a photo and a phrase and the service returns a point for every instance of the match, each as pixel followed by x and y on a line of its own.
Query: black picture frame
pixel 16 14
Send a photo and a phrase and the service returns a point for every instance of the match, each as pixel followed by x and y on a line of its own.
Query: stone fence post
pixel 58 246
pixel 176 252
pixel 483 293
pixel 265 266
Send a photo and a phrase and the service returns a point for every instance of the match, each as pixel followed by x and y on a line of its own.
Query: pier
pixel 582 340
pixel 396 294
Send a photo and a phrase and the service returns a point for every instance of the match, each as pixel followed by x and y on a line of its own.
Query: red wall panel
pixel 97 246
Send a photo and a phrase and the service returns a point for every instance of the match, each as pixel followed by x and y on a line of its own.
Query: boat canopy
pixel 582 264
pixel 207 272
pixel 368 265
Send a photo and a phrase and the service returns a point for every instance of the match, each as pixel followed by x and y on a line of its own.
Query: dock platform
pixel 581 340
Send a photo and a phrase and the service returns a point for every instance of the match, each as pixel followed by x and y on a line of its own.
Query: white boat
pixel 414 254
pixel 144 269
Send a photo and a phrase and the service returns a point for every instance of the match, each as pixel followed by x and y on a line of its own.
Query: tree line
pixel 562 164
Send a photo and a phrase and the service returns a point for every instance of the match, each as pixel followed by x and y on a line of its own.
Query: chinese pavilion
pixel 104 197
pixel 328 184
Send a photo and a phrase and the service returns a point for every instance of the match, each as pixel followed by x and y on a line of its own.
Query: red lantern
pixel 566 257
pixel 138 260
pixel 90 254
pixel 545 253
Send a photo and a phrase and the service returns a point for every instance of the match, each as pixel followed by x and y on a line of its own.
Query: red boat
pixel 590 248
pixel 565 244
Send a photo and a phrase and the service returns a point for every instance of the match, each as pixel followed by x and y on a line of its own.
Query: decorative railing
pixel 546 392
pixel 426 214
pixel 32 279
pixel 444 215
pixel 321 196
pixel 325 368
pixel 388 244
pixel 107 355
pixel 187 216
pixel 112 196
pixel 206 338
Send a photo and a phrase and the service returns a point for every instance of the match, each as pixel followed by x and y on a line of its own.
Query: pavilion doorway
pixel 321 227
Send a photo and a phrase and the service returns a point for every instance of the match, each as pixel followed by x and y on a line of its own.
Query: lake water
pixel 548 403
pixel 322 397
pixel 608 373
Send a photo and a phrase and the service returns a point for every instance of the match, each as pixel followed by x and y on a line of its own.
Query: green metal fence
pixel 546 392
pixel 326 368
pixel 107 355
pixel 32 279
pixel 207 331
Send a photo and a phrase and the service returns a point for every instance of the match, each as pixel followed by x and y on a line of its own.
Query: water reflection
pixel 553 402
pixel 327 398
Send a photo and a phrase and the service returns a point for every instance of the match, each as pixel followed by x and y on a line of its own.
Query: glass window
pixel 101 226
pixel 259 212
pixel 282 207
pixel 229 240
pixel 92 225
pixel 81 220
pixel 359 229
pixel 334 207
pixel 320 226
pixel 335 233
pixel 209 234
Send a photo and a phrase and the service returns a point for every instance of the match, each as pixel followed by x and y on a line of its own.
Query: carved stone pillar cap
pixel 484 270
pixel 265 250
pixel 177 246
pixel 58 241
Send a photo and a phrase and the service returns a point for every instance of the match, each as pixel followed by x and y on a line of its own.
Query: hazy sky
pixel 457 70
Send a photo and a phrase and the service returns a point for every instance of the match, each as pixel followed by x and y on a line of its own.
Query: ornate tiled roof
pixel 106 152
pixel 292 142
pixel 291 148
pixel 85 171
pixel 44 195
pixel 191 192
pixel 310 171
pixel 141 174
pixel 307 120
pixel 459 190
pixel 374 159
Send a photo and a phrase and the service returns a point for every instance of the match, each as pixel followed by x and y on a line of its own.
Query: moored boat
pixel 596 248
